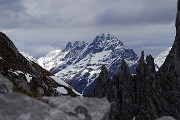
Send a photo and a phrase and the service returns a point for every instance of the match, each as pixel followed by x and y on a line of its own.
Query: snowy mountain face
pixel 79 63
pixel 29 57
pixel 162 57
pixel 51 60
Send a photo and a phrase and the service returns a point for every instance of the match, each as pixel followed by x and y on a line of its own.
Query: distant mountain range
pixel 79 63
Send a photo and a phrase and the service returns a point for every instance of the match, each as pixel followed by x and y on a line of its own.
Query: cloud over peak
pixel 60 21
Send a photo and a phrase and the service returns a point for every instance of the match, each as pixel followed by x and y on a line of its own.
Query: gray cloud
pixel 140 12
pixel 141 24
pixel 35 50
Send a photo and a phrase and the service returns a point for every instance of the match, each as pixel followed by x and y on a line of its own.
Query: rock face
pixel 6 86
pixel 102 84
pixel 148 95
pixel 118 91
pixel 169 71
pixel 27 76
pixel 171 66
pixel 156 94
pixel 147 90
pixel 15 106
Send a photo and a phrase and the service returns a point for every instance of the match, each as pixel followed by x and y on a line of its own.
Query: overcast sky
pixel 39 26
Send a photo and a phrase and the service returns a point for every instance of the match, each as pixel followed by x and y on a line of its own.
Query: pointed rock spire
pixel 101 88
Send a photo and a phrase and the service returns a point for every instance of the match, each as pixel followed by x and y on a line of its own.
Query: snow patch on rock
pixel 28 77
pixel 62 90
pixel 162 57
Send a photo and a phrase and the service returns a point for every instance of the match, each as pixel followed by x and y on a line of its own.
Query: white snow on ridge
pixel 162 57
pixel 62 90
pixel 0 57
pixel 17 72
pixel 58 80
pixel 29 57
pixel 52 59
pixel 28 77
pixel 99 57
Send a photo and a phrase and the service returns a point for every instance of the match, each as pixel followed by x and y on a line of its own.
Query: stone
pixel 6 86
pixel 15 106
pixel 81 108
pixel 166 118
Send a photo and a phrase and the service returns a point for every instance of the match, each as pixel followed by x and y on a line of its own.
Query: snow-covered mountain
pixel 51 60
pixel 29 57
pixel 162 57
pixel 79 63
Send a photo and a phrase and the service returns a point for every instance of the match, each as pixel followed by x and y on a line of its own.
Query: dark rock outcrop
pixel 169 73
pixel 102 85
pixel 6 86
pixel 126 92
pixel 27 77
pixel 148 95
pixel 141 96
pixel 146 92
pixel 118 91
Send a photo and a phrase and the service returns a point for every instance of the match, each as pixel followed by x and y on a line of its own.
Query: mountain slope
pixel 29 57
pixel 51 60
pixel 27 77
pixel 79 63
pixel 161 57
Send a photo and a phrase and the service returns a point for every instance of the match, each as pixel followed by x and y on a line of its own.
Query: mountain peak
pixel 105 35
pixel 80 63
pixel 77 44
pixel 105 40
pixel 54 53
pixel 68 46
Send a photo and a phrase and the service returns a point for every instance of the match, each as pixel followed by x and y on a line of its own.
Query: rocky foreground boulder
pixel 16 106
